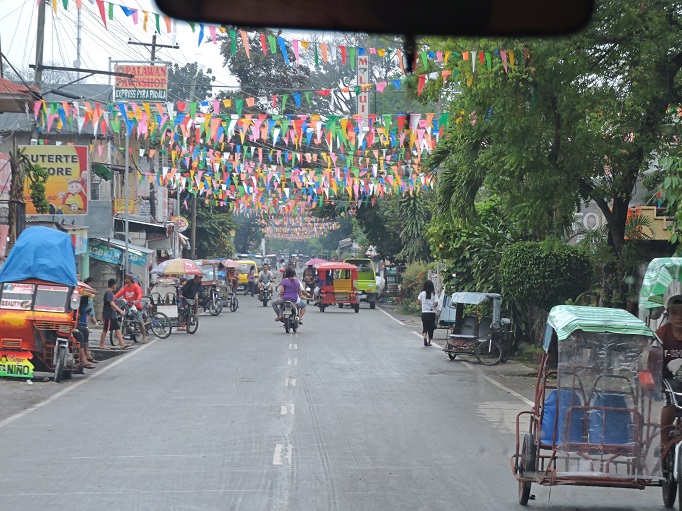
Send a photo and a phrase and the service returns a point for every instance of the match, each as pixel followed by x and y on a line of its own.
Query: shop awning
pixel 102 171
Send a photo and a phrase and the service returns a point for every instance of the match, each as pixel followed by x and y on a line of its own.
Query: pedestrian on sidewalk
pixel 110 315
pixel 428 301
pixel 92 318
pixel 251 280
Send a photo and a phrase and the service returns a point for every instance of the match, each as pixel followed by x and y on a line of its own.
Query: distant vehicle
pixel 244 267
pixel 367 282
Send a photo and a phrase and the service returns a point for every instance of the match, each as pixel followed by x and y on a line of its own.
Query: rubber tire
pixel 356 307
pixel 287 325
pixel 322 307
pixel 340 306
pixel 165 326
pixel 215 310
pixel 528 459
pixel 60 364
pixel 669 485
pixel 234 305
pixel 452 356
pixel 678 476
pixel 294 326
pixel 488 358
pixel 372 305
pixel 192 323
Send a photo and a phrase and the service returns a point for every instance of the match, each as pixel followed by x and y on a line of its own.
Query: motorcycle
pixel 290 316
pixel 211 301
pixel 265 292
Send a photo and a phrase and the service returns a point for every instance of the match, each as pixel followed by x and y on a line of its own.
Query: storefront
pixel 110 252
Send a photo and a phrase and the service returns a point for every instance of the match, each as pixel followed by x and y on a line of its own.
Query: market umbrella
pixel 177 267
pixel 315 261
pixel 229 263
pixel 660 274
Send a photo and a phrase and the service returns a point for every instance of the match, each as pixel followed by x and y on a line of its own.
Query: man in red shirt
pixel 131 292
pixel 670 335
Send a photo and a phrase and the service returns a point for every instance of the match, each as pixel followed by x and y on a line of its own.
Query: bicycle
pixel 231 301
pixel 155 322
pixel 186 315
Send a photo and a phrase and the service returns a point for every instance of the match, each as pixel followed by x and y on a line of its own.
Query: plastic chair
pixel 566 400
pixel 612 427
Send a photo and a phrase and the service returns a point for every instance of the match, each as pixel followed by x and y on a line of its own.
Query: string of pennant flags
pixel 280 46
pixel 298 228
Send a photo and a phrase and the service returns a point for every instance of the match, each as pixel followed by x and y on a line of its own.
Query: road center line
pixel 287 409
pixel 292 362
pixel 293 346
pixel 277 457
pixel 290 382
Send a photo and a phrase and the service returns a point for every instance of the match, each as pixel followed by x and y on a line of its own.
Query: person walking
pixel 110 312
pixel 251 280
pixel 428 301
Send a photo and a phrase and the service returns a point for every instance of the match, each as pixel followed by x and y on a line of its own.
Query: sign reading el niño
pixel 149 84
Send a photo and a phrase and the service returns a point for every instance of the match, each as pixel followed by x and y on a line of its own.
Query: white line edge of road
pixel 62 392
pixel 470 367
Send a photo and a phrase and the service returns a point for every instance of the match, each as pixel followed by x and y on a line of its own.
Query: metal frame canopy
pixel 566 319
pixel 471 298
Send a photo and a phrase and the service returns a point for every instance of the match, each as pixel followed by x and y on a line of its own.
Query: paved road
pixel 352 413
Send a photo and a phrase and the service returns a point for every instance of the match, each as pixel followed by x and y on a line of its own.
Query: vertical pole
pixel 125 185
pixel 154 47
pixel 40 34
pixel 78 43
pixel 194 227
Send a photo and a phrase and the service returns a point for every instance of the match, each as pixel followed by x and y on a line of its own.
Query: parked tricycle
pixel 338 285
pixel 488 338
pixel 595 420
pixel 39 299
pixel 211 298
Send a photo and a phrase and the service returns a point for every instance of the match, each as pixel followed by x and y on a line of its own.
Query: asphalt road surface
pixel 351 413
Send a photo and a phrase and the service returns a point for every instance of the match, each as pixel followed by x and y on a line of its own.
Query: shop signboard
pixel 113 255
pixel 16 364
pixel 150 83
pixel 66 188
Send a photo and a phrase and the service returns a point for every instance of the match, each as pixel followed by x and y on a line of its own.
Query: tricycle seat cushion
pixel 565 432
pixel 610 421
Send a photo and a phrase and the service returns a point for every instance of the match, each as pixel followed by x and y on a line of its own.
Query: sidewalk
pixel 517 376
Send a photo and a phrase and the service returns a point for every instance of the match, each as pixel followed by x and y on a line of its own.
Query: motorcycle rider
pixel 131 292
pixel 292 290
pixel 309 277
pixel 266 277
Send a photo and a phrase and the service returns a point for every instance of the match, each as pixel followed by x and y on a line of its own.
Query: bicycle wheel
pixel 161 325
pixel 192 323
pixel 234 303
pixel 488 353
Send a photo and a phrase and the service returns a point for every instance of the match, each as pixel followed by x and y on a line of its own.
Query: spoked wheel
pixel 669 486
pixel 216 307
pixel 161 325
pixel 192 323
pixel 489 353
pixel 528 460
pixel 60 364
pixel 234 304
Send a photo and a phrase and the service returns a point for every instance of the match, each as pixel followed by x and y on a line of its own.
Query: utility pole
pixel 77 64
pixel 193 241
pixel 40 35
pixel 155 46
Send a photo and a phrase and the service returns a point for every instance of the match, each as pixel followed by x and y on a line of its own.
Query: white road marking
pixel 282 452
pixel 293 346
pixel 287 409
pixel 292 362
pixel 394 319
pixel 290 382
pixel 59 394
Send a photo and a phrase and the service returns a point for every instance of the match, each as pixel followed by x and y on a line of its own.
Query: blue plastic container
pixel 567 399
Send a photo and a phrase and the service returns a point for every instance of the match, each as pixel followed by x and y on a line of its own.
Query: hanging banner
pixel 150 83
pixel 363 81
pixel 16 364
pixel 66 188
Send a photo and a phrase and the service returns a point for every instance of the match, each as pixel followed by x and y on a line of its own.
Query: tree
pixel 576 120
pixel 189 83
pixel 248 235
pixel 415 213
pixel 214 231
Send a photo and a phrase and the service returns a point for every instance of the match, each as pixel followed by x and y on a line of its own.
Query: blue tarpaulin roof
pixel 41 253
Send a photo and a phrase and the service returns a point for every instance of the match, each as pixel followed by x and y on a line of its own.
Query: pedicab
pixel 183 313
pixel 596 416
pixel 39 299
pixel 488 338
pixel 662 280
pixel 211 298
pixel 338 285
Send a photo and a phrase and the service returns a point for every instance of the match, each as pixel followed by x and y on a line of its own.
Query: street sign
pixel 150 83
pixel 371 251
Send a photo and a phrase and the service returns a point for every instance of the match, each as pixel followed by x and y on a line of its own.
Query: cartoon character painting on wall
pixel 75 199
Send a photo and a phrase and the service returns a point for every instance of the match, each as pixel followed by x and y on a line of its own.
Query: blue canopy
pixel 41 253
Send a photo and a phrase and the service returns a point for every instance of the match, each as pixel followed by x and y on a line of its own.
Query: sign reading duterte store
pixel 150 83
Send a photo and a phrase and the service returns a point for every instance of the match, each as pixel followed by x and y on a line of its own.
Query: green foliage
pixel 413 280
pixel 472 249
pixel 544 274
pixel 37 177
pixel 576 120
pixel 249 232
pixel 189 83
pixel 415 214
pixel 214 226
pixel 671 192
